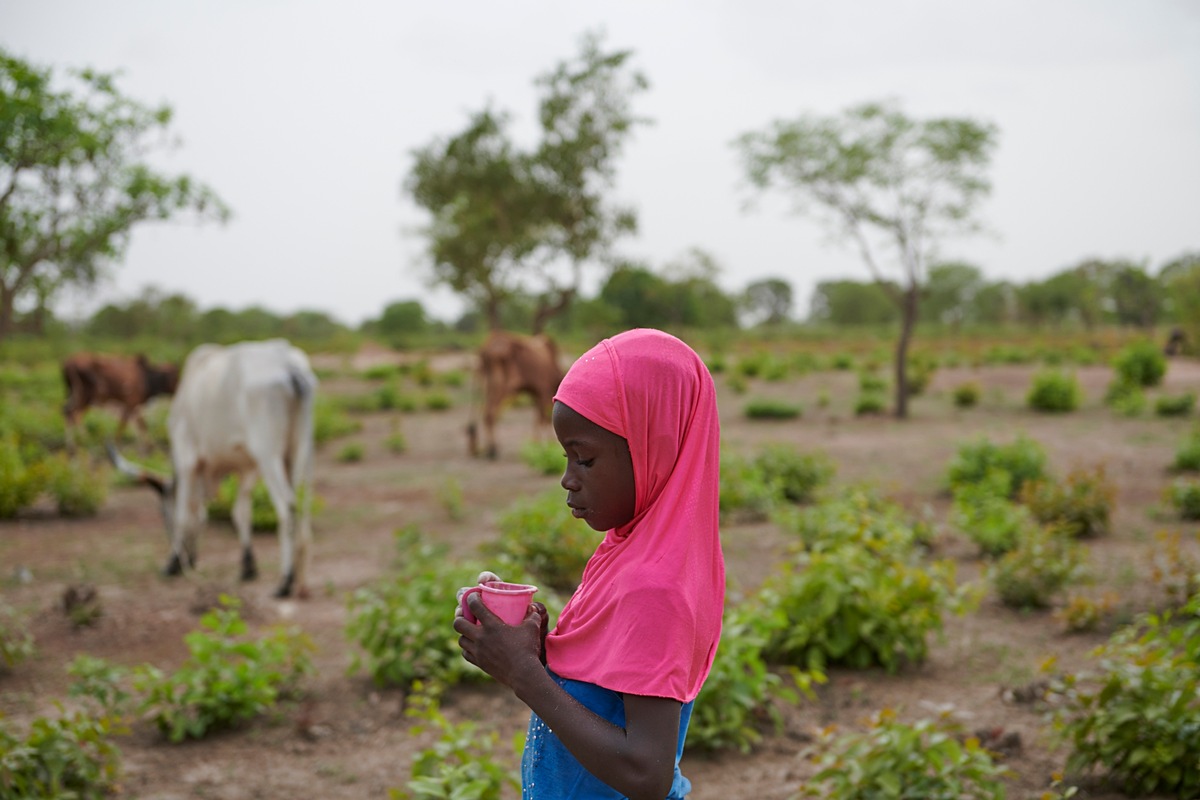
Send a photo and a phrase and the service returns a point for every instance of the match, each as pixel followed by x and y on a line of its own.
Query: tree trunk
pixel 6 311
pixel 908 323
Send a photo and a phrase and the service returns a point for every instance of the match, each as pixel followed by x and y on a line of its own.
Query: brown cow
pixel 511 364
pixel 129 381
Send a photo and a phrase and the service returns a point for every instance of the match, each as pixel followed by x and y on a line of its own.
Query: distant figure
pixel 130 381
pixel 1175 342
pixel 511 364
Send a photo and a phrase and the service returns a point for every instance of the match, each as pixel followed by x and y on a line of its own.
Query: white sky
pixel 302 115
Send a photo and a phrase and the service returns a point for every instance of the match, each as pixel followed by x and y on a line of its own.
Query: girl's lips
pixel 578 513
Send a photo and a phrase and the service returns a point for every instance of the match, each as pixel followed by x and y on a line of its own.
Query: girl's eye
pixel 585 462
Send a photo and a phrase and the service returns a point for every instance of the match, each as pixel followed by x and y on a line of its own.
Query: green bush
pixel 928 759
pixel 1043 563
pixel 1023 459
pixel 402 622
pixel 461 764
pixel 1054 391
pixel 855 607
pixel 985 514
pixel 1140 363
pixel 21 480
pixel 544 458
pixel 262 510
pixel 741 695
pixel 1187 455
pixel 1081 507
pixel 330 422
pixel 745 493
pixel 78 489
pixel 1179 405
pixel 228 678
pixel 541 536
pixel 796 476
pixel 919 372
pixel 67 757
pixel 16 642
pixel 1135 720
pixel 966 395
pixel 351 453
pixel 772 409
pixel 870 403
pixel 858 516
pixel 1184 495
pixel 1126 398
pixel 438 401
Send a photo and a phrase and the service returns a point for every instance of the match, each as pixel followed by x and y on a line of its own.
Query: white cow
pixel 245 409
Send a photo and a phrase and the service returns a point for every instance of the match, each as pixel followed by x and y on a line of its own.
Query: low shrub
pixel 16 642
pixel 919 372
pixel 1178 405
pixel 1184 495
pixel 1023 459
pixel 796 476
pixel 967 395
pixel 1054 391
pixel 402 622
pixel 1187 455
pixel 870 383
pixel 461 763
pixel 262 510
pixel 1042 564
pixel 228 678
pixel 1126 398
pixel 869 404
pixel 858 516
pixel 78 489
pixel 1082 614
pixel 985 514
pixel 351 453
pixel 1173 568
pixel 67 757
pixel 541 537
pixel 330 422
pixel 894 759
pixel 1135 719
pixel 21 478
pixel 741 695
pixel 772 409
pixel 544 458
pixel 438 401
pixel 745 493
pixel 1141 363
pixel 1081 507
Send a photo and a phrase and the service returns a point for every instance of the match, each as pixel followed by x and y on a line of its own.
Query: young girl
pixel 611 688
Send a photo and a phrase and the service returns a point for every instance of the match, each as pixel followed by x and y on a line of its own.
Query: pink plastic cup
pixel 509 601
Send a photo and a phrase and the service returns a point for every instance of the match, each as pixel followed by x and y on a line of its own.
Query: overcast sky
pixel 303 116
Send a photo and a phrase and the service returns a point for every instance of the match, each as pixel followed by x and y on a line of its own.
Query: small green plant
pixel 894 759
pixel 402 622
pixel 870 404
pixel 228 678
pixel 262 510
pixel 1173 569
pixel 16 642
pixel 1126 398
pixel 765 408
pixel 1141 363
pixel 741 695
pixel 1054 391
pixel 1082 614
pixel 988 517
pixel 745 493
pixel 1023 459
pixel 737 383
pixel 857 516
pixel 450 494
pixel 545 458
pixel 870 383
pixel 919 372
pixel 78 490
pixel 1177 405
pixel 1184 495
pixel 67 757
pixel 1187 456
pixel 1042 564
pixel 966 395
pixel 796 476
pixel 351 453
pixel 1081 507
pixel 331 422
pixel 1135 720
pixel 438 401
pixel 396 442
pixel 461 764
pixel 21 479
pixel 541 536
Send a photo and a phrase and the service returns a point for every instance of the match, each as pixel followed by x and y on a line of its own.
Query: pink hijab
pixel 646 617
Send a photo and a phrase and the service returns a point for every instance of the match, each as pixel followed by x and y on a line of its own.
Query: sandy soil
pixel 349 739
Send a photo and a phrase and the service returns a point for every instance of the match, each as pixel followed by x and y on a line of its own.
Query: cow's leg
pixel 183 550
pixel 284 499
pixel 242 520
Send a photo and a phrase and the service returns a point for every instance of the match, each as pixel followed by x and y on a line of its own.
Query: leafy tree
pixel 769 300
pixel 994 304
pixel 401 320
pixel 949 291
pixel 1137 296
pixel 504 218
pixel 640 298
pixel 73 182
pixel 1054 300
pixel 890 185
pixel 1180 279
pixel 851 303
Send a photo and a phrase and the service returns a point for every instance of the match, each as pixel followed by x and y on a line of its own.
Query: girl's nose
pixel 569 481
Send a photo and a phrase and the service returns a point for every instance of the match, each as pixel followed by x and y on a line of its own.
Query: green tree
pixel 949 291
pixel 503 218
pixel 851 303
pixel 768 301
pixel 892 186
pixel 401 320
pixel 1137 296
pixel 74 182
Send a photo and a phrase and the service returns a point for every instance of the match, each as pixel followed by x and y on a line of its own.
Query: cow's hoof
pixel 249 568
pixel 173 568
pixel 285 588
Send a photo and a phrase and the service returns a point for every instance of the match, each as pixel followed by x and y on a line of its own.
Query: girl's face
pixel 599 473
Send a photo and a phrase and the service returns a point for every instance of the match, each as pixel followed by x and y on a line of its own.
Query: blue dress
pixel 550 772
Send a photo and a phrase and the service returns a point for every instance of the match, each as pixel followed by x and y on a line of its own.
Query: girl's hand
pixel 484 577
pixel 502 651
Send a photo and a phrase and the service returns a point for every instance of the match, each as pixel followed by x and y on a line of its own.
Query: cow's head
pixel 164 487
pixel 159 378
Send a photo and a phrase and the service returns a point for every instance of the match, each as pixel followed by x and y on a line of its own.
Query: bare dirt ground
pixel 349 739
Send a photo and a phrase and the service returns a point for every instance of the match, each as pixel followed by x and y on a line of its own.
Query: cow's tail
pixel 300 461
